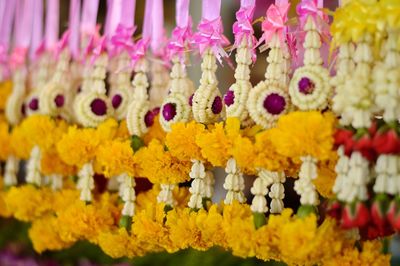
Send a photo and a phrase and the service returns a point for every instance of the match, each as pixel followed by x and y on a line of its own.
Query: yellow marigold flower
pixel 107 130
pixel 119 243
pixel 183 230
pixel 44 235
pixel 149 228
pixel 5 91
pixel 21 145
pixel 266 154
pixel 64 198
pixel 232 127
pixel 369 256
pixel 115 157
pixel 147 198
pixel 159 166
pixel 215 144
pixel 78 146
pixel 81 221
pixel 239 229
pixel 181 141
pixel 304 133
pixel 28 203
pixel 244 153
pixel 51 163
pixel 210 223
pixel 5 141
pixel 155 132
pixel 303 242
pixel 326 176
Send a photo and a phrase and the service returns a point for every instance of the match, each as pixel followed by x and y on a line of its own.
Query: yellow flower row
pixel 63 219
pixel 167 158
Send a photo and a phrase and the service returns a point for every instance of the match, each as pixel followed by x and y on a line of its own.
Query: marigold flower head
pixel 51 163
pixel 326 176
pixel 244 152
pixel 28 202
pixel 215 145
pixel 304 133
pixel 115 157
pixel 44 236
pixel 149 228
pixel 78 146
pixel 266 154
pixel 159 166
pixel 181 141
pixel 81 221
pixel 119 243
pixel 184 231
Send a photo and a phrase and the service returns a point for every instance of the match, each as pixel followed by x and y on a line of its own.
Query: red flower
pixel 334 210
pixel 344 137
pixel 387 143
pixel 393 214
pixel 379 210
pixel 373 129
pixel 364 146
pixel 355 215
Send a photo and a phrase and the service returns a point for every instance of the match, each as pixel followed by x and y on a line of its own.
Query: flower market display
pixel 105 138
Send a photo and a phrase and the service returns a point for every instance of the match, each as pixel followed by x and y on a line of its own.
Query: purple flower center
pixel 99 107
pixel 306 86
pixel 116 101
pixel 34 104
pixel 59 100
pixel 169 111
pixel 191 100
pixel 149 119
pixel 217 105
pixel 274 103
pixel 229 97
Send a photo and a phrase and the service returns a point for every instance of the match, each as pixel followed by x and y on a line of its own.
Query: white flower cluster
pixel 353 175
pixel 159 84
pixel 96 90
pixel 304 185
pixel 165 195
pixel 260 190
pixel 205 95
pixel 181 88
pixel 356 102
pixel 234 183
pixel 127 193
pixel 386 78
pixel 242 86
pixel 309 88
pixel 58 88
pixel 121 86
pixel 140 104
pixel 86 182
pixel 387 169
pixel 33 175
pixel 274 85
pixel 16 99
pixel 202 185
pixel 344 69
